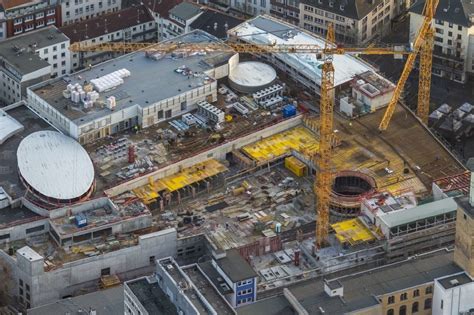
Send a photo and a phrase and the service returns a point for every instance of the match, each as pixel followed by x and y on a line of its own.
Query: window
pixel 416 293
pixel 55 57
pixel 450 42
pixel 160 114
pixel 17 21
pixel 450 25
pixel 35 229
pixel 459 28
pixel 63 54
pixel 403 310
pixel 27 287
pixel 441 306
pixel 439 22
pixel 105 272
pixel 50 12
pixel 152 260
pixel 427 304
pixel 29 27
pixel 414 307
pixel 403 296
pixel 391 299
pixel 390 312
pixel 439 30
pixel 450 34
pixel 29 18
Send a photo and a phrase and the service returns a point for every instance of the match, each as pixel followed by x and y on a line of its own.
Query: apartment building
pixel 252 7
pixel 31 58
pixel 73 11
pixel 178 20
pixel 134 24
pixel 287 10
pixel 453 54
pixel 22 16
pixel 356 22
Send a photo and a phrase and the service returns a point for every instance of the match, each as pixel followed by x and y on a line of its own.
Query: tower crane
pixel 424 45
pixel 323 182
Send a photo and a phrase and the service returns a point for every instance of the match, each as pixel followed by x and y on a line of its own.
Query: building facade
pixel 287 10
pixel 354 22
pixel 73 11
pixel 31 58
pixel 24 16
pixel 134 24
pixel 453 53
pixel 178 20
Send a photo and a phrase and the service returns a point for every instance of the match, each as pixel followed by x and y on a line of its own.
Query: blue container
pixel 81 220
pixel 289 110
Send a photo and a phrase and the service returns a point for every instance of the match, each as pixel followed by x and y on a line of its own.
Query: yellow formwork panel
pixel 352 231
pixel 296 166
pixel 185 177
pixel 299 139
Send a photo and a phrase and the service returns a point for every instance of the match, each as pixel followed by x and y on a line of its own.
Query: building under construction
pixel 207 167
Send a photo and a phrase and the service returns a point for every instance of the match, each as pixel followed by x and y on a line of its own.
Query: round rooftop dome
pixel 55 166
pixel 251 76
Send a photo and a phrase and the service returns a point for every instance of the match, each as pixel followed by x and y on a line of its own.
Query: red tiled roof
pixel 106 24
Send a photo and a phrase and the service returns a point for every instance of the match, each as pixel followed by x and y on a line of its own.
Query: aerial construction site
pixel 277 147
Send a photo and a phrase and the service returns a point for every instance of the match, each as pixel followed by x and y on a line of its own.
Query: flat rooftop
pixel 455 280
pixel 267 30
pixel 100 216
pixel 14 216
pixel 8 126
pixel 9 177
pixel 105 302
pixel 150 81
pixel 181 281
pixel 206 289
pixel 361 289
pixel 19 50
pixel 236 267
pixel 152 298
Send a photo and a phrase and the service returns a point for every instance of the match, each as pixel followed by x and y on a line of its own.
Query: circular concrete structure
pixel 251 76
pixel 347 190
pixel 55 167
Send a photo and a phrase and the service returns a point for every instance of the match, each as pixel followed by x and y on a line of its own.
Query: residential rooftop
pixel 354 9
pixel 151 297
pixel 107 24
pixel 267 30
pixel 453 11
pixel 215 23
pixel 19 51
pixel 185 10
pixel 143 88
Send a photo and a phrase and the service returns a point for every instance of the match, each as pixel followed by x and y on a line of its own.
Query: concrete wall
pixel 49 286
pixel 171 288
pixel 215 153
pixel 454 300
pixel 18 232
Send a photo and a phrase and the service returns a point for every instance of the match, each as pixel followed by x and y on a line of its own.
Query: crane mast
pixel 421 42
pixel 323 182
